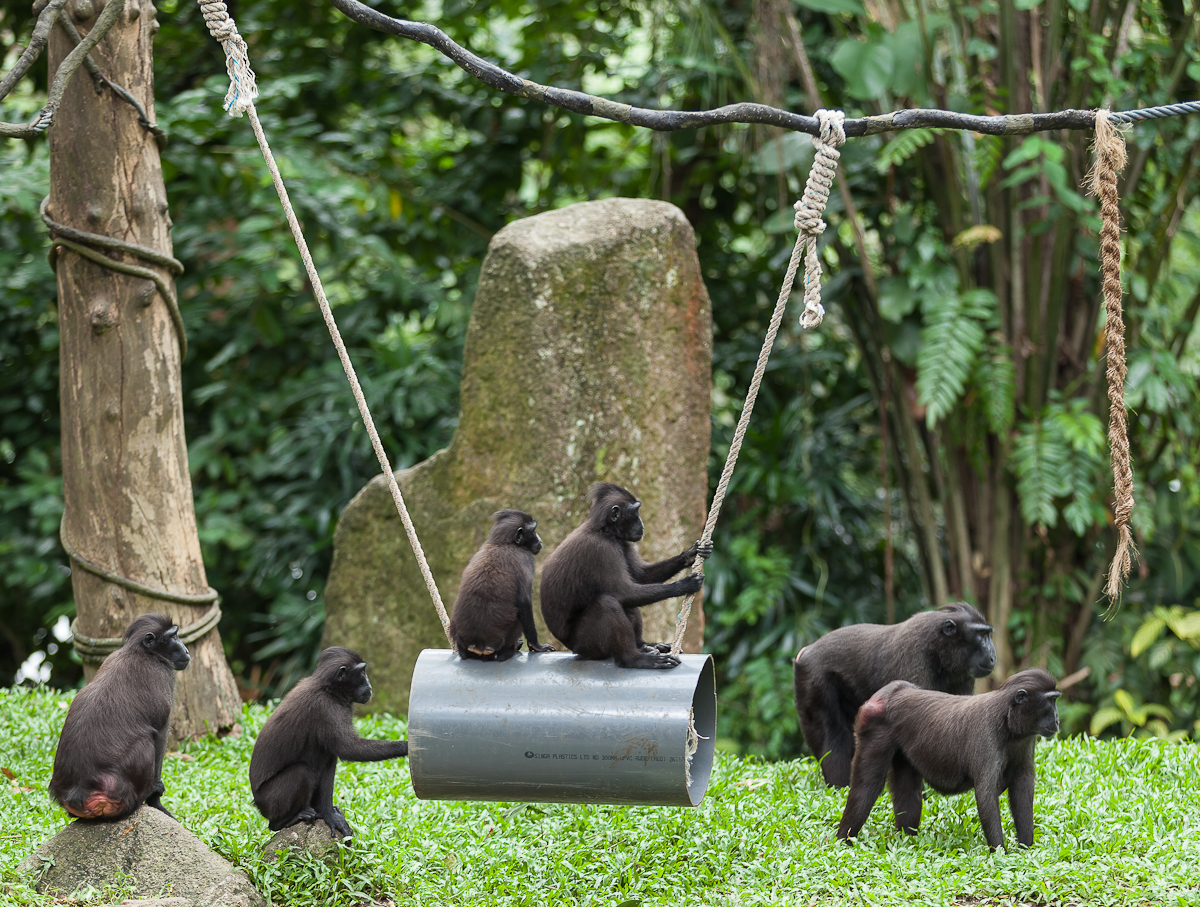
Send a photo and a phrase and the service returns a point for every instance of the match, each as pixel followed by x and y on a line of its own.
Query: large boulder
pixel 588 357
pixel 157 853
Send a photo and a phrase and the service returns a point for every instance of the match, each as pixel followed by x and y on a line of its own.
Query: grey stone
pixel 161 857
pixel 312 838
pixel 588 357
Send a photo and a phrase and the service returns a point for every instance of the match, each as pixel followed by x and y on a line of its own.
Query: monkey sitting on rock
pixel 494 607
pixel 956 743
pixel 110 753
pixel 943 650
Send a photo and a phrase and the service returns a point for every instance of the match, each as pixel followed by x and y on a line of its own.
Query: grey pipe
pixel 556 728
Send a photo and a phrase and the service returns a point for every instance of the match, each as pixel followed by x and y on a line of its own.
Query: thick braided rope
pixel 1110 160
pixel 243 90
pixel 334 333
pixel 95 649
pixel 810 209
pixel 816 194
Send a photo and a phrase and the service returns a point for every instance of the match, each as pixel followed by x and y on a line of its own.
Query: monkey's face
pixel 354 680
pixel 625 522
pixel 528 538
pixel 971 646
pixel 1034 712
pixel 169 647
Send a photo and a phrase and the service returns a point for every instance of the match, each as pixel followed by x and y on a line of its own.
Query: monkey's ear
pixel 520 534
pixel 341 674
pixel 148 640
pixel 1021 696
pixel 615 513
pixel 949 627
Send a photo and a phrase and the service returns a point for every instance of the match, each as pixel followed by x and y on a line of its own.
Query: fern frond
pixel 1040 458
pixel 902 147
pixel 998 385
pixel 950 340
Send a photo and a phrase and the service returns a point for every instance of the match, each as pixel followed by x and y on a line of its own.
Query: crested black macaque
pixel 110 754
pixel 296 753
pixel 595 582
pixel 941 650
pixel 956 743
pixel 494 607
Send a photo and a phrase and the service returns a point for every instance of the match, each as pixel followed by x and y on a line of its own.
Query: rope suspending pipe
pixel 670 120
pixel 1110 160
pixel 809 212
pixel 240 98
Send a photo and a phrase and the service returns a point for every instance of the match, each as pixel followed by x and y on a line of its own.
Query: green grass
pixel 1118 822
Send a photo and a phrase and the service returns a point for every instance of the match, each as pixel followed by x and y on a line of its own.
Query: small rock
pixel 152 849
pixel 313 838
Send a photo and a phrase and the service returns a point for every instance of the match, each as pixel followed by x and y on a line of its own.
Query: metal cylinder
pixel 556 728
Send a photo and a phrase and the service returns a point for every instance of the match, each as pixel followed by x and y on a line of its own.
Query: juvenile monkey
pixel 494 607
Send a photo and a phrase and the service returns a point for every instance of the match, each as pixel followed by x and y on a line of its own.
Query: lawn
pixel 1118 822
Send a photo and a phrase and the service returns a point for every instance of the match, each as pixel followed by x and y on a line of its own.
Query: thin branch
pixel 66 69
pixel 37 43
pixel 671 120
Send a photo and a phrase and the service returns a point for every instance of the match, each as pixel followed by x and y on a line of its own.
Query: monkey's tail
pixel 109 798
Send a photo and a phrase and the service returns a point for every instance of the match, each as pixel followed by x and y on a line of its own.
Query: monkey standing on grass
pixel 595 582
pixel 110 754
pixel 296 753
pixel 956 743
pixel 494 606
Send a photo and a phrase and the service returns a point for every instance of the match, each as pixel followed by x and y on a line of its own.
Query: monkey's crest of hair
pixel 336 656
pixel 609 493
pixel 1033 679
pixel 151 622
pixel 508 522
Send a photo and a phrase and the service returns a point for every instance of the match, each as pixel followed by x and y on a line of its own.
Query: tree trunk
pixel 126 486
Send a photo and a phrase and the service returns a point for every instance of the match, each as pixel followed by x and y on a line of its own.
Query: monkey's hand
pixel 541 647
pixel 338 826
pixel 701 548
pixel 690 583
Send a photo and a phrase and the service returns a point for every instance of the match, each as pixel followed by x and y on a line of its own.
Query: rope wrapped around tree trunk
pixel 810 211
pixel 1110 160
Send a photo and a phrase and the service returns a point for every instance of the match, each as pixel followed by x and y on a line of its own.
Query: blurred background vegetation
pixel 940 436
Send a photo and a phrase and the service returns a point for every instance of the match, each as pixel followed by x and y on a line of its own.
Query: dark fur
pixel 956 743
pixel 595 582
pixel 941 650
pixel 296 753
pixel 110 754
pixel 494 607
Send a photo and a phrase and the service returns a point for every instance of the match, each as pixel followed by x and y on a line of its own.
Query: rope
pixel 95 649
pixel 80 242
pixel 813 194
pixel 242 91
pixel 810 209
pixel 1110 160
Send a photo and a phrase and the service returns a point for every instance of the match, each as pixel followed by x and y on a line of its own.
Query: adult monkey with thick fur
pixel 110 753
pixel 956 743
pixel 944 650
pixel 595 582
pixel 494 607
pixel 296 753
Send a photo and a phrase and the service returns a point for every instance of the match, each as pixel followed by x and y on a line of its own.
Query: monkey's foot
pixel 646 660
pixel 308 814
pixel 481 651
pixel 663 648
pixel 541 647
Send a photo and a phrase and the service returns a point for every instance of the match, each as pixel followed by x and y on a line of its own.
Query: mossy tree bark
pixel 126 486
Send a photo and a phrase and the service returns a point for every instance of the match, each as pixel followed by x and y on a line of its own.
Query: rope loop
pixel 243 88
pixel 94 650
pixel 810 209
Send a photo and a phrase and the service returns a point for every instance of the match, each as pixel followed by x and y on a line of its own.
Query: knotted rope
pixel 1110 160
pixel 94 650
pixel 240 98
pixel 809 212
